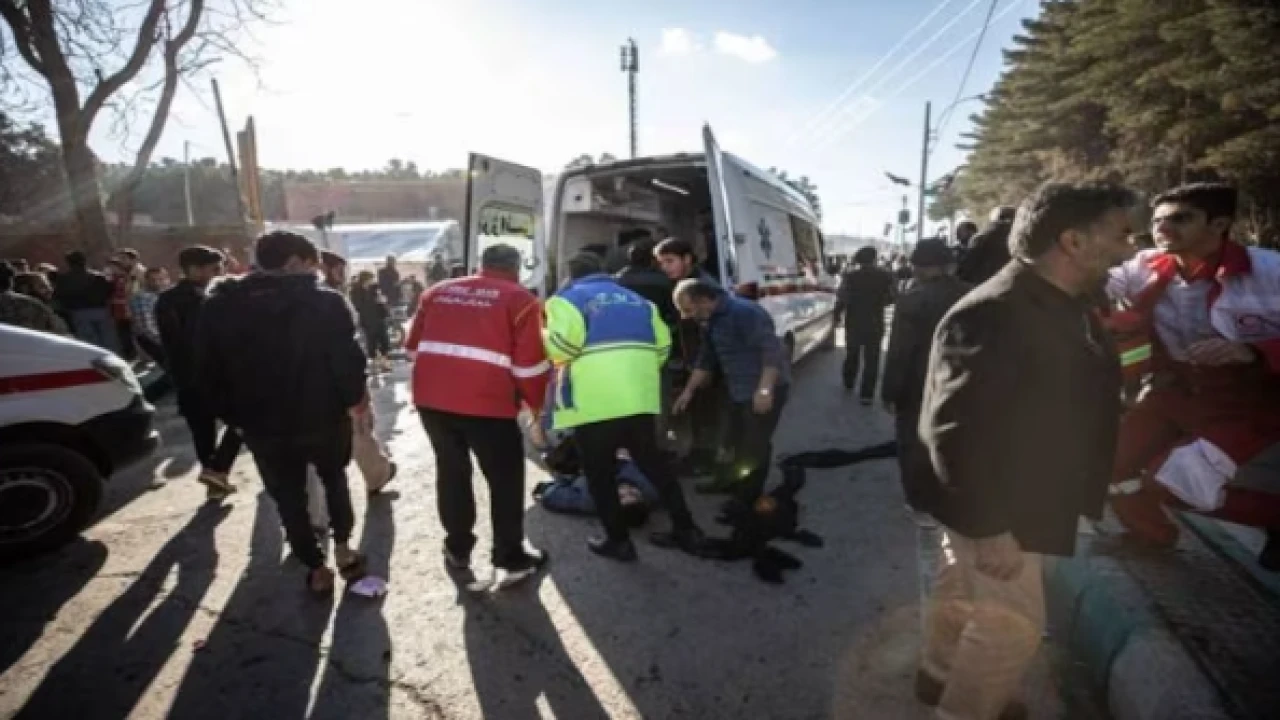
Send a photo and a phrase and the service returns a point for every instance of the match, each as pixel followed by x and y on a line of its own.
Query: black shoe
pixel 530 562
pixel 929 692
pixel 621 550
pixel 690 540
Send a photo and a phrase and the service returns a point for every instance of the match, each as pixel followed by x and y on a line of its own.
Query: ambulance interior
pixel 607 210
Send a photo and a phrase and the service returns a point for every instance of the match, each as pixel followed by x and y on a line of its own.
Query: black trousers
pixel 862 351
pixel 377 338
pixel 598 446
pixel 919 483
pixel 499 448
pixel 152 348
pixel 751 438
pixel 215 454
pixel 128 348
pixel 283 461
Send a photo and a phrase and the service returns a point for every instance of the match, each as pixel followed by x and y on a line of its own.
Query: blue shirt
pixel 740 341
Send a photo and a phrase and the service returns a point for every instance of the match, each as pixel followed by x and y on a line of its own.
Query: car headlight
pixel 116 369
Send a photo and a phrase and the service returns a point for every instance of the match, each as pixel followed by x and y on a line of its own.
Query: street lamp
pixel 925 151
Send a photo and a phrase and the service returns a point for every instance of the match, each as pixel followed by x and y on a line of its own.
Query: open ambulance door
pixel 504 205
pixel 719 173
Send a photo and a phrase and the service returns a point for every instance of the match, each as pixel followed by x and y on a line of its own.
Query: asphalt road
pixel 170 607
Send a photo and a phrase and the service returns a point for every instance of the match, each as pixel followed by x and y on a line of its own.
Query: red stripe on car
pixel 60 380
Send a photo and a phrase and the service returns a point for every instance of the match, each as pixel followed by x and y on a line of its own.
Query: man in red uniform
pixel 1211 309
pixel 477 348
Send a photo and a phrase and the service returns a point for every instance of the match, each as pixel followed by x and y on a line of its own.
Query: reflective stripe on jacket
pixel 478 348
pixel 608 344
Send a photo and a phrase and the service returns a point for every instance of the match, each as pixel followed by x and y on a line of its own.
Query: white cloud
pixel 678 42
pixel 754 49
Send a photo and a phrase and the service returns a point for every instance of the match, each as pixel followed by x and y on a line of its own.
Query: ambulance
pixel 755 233
pixel 71 415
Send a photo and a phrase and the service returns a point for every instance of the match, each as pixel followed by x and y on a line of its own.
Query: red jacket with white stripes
pixel 478 345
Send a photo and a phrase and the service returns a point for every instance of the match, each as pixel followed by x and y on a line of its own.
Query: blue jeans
pixel 95 326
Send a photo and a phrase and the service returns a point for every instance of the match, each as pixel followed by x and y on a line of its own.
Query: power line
pixel 906 84
pixel 973 57
pixel 821 117
pixel 825 133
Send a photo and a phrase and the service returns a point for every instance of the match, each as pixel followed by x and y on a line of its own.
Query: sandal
pixel 320 581
pixel 355 567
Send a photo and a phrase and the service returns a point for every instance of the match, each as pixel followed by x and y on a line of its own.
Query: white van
pixel 761 234
pixel 71 414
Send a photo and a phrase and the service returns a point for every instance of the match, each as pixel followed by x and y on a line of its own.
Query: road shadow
pixel 517 658
pixel 110 667
pixel 260 658
pixel 357 676
pixel 35 591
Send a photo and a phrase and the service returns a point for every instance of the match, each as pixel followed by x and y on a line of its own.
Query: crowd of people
pixel 1011 368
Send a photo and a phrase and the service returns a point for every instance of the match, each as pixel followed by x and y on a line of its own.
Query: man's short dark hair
pixel 501 257
pixel 1055 208
pixel 198 256
pixel 331 259
pixel 675 246
pixel 584 264
pixel 969 225
pixel 7 274
pixel 76 259
pixel 698 289
pixel 640 254
pixel 865 256
pixel 1214 199
pixel 274 249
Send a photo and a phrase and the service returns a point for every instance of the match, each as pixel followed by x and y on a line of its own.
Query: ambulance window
pixel 808 243
pixel 511 227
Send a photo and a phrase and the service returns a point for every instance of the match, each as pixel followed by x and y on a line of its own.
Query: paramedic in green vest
pixel 609 345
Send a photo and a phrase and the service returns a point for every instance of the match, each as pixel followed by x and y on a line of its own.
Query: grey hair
pixel 501 257
pixel 697 289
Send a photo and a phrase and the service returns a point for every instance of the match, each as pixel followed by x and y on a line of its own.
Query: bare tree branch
pixel 147 37
pixel 21 34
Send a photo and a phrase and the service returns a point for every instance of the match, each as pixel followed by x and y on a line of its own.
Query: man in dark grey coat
pixel 915 318
pixel 1020 415
pixel 989 250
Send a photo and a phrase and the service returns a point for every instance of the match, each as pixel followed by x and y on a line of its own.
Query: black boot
pixel 621 550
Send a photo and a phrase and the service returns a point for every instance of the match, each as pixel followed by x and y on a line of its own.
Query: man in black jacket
pixel 281 350
pixel 861 299
pixel 642 276
pixel 915 317
pixel 177 314
pixel 1020 416
pixel 989 250
pixel 84 295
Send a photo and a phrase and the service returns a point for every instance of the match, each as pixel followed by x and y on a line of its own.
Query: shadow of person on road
pixel 357 676
pixel 36 590
pixel 260 658
pixel 107 671
pixel 516 657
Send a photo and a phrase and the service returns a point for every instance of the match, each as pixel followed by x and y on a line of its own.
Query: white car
pixel 71 414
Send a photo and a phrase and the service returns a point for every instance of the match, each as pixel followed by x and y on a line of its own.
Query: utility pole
pixel 924 173
pixel 186 180
pixel 631 66
pixel 231 155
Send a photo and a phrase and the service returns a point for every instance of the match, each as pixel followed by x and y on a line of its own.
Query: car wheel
pixel 48 494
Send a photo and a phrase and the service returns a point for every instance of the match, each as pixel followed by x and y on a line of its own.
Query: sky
pixel 832 90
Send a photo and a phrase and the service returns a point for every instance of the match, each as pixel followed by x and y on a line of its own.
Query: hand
pixel 682 403
pixel 1220 351
pixel 762 402
pixel 537 436
pixel 999 557
pixel 890 407
pixel 361 407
